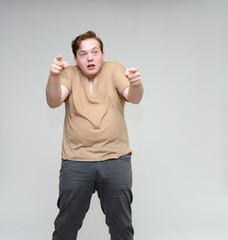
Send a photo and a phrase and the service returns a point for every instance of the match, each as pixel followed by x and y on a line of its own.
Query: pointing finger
pixel 133 70
pixel 130 71
pixel 59 61
pixel 58 65
pixel 59 58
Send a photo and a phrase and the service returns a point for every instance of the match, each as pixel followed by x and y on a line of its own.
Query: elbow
pixel 136 101
pixel 135 96
pixel 53 101
pixel 53 104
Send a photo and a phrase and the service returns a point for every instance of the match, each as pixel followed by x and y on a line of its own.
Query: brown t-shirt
pixel 94 126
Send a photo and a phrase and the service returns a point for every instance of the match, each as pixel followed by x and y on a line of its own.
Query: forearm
pixel 53 91
pixel 135 93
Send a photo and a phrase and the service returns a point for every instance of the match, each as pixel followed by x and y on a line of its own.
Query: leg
pixel 114 191
pixel 75 190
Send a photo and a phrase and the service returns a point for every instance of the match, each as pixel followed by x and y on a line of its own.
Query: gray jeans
pixel 112 179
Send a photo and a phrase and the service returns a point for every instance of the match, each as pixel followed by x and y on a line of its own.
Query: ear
pixel 103 55
pixel 75 59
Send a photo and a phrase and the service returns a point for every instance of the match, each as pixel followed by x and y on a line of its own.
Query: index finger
pixel 59 58
pixel 133 70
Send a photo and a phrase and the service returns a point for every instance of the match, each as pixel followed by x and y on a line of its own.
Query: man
pixel 95 150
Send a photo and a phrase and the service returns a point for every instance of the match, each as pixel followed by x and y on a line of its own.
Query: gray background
pixel 179 132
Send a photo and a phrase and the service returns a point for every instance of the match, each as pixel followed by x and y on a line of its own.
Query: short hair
pixel 77 41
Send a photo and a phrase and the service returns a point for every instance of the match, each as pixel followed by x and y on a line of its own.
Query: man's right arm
pixel 55 92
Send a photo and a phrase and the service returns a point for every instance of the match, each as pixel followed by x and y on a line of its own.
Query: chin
pixel 92 74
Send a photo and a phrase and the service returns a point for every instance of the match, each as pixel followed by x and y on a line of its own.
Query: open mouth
pixel 91 66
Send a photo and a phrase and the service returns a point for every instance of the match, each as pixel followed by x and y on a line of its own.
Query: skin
pixel 89 58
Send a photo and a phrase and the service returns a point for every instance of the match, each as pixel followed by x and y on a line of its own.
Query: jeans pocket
pixel 126 157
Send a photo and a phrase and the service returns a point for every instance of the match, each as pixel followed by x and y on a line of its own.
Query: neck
pixel 91 84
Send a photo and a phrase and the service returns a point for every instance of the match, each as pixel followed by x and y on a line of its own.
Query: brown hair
pixel 77 41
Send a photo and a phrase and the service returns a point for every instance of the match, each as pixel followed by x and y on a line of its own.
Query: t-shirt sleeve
pixel 121 81
pixel 66 78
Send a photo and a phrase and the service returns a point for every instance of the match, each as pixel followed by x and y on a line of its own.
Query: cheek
pixel 100 60
pixel 81 63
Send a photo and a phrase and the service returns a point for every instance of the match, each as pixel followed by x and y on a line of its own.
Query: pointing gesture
pixel 58 65
pixel 133 75
pixel 134 92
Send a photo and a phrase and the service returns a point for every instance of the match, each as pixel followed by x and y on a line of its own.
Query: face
pixel 90 58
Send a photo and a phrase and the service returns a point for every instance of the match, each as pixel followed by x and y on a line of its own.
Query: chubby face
pixel 89 58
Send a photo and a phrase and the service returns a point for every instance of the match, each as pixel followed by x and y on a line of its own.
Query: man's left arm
pixel 134 92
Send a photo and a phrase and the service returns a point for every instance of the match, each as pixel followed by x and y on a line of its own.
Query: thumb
pixel 127 72
pixel 65 64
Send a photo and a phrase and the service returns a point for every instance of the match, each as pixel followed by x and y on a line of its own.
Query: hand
pixel 58 65
pixel 133 75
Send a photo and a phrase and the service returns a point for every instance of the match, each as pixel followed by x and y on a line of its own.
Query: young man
pixel 95 150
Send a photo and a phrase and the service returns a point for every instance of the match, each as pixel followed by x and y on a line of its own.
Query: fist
pixel 58 65
pixel 133 75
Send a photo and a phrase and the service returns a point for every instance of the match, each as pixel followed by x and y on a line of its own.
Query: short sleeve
pixel 66 77
pixel 121 81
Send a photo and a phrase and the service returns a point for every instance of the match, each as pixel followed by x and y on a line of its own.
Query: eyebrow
pixel 86 51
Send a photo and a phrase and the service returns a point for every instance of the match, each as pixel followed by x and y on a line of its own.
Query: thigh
pixel 115 185
pixel 116 176
pixel 76 185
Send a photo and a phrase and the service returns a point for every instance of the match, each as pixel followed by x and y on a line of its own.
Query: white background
pixel 178 133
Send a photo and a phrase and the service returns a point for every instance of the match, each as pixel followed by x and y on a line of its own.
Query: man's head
pixel 88 53
pixel 76 43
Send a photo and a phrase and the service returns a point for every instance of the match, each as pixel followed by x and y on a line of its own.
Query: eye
pixel 82 54
pixel 95 53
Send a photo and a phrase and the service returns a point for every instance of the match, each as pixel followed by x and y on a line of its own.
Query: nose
pixel 90 57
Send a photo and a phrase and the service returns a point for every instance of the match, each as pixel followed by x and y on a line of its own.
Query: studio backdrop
pixel 178 133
